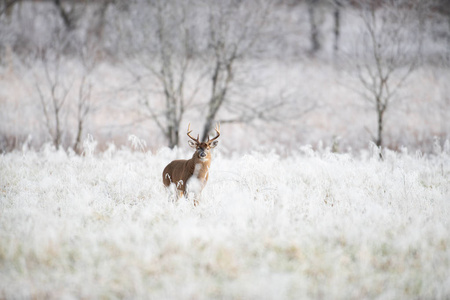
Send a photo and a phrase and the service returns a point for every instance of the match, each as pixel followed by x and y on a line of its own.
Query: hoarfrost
pixel 311 225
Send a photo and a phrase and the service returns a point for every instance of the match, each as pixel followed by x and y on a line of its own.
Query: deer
pixel 191 175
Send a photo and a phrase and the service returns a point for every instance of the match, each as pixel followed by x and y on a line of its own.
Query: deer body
pixel 180 171
pixel 191 174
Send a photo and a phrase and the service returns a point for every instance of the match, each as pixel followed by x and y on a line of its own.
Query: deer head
pixel 202 149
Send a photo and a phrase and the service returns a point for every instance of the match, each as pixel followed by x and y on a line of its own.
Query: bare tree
pixel 167 62
pixel 64 90
pixel 234 30
pixel 52 95
pixel 83 101
pixel 188 44
pixel 387 54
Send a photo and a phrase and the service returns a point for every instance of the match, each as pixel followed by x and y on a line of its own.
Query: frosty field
pixel 312 225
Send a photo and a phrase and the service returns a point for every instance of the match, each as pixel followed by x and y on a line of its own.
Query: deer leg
pixel 194 197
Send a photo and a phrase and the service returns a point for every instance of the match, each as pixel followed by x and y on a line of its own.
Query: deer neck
pixel 201 166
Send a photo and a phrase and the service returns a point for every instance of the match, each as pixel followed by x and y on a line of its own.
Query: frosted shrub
pixel 311 225
pixel 137 143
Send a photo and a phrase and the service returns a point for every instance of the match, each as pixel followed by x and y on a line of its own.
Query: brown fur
pixel 180 171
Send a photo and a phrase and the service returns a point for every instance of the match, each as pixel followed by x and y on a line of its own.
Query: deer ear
pixel 213 144
pixel 192 144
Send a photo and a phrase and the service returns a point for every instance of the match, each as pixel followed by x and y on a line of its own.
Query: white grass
pixel 311 225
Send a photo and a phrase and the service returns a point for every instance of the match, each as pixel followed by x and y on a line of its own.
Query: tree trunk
pixel 218 94
pixel 173 130
pixel 6 8
pixel 380 115
pixel 207 128
pixel 170 136
pixel 57 138
pixel 176 136
pixel 76 146
pixel 337 25
pixel 315 44
pixel 100 26
pixel 64 15
pixel 214 105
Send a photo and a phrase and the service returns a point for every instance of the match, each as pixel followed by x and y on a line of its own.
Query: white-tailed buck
pixel 191 175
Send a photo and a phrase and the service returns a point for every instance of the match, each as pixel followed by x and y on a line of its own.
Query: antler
pixel 189 134
pixel 217 129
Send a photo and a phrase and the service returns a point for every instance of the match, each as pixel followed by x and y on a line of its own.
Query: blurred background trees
pixel 387 53
pixel 307 71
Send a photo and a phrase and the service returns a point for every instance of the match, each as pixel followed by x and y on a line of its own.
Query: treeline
pixel 175 52
pixel 96 21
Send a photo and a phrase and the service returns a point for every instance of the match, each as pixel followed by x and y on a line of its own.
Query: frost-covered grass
pixel 311 225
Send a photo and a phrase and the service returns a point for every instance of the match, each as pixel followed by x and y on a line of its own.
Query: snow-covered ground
pixel 309 225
